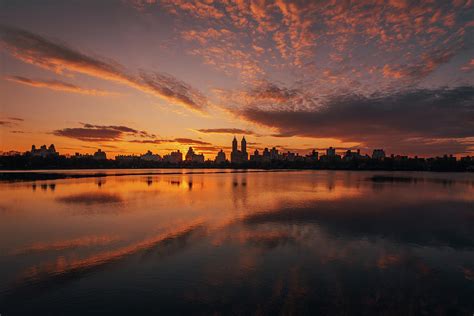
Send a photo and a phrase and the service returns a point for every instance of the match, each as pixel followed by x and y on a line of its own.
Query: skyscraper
pixel 239 156
pixel 331 152
pixel 234 145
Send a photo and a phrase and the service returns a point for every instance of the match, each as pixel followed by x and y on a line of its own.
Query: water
pixel 300 242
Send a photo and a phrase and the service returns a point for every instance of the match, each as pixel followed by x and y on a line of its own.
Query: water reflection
pixel 90 198
pixel 434 223
pixel 243 243
pixel 86 241
pixel 100 182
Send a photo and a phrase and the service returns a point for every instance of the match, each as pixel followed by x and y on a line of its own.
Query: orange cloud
pixel 388 72
pixel 200 9
pixel 469 66
pixel 94 133
pixel 225 131
pixel 399 4
pixel 58 86
pixel 34 49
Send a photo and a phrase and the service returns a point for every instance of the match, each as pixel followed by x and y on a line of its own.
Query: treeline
pixel 25 162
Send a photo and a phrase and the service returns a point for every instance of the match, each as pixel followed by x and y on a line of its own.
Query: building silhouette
pixel 48 157
pixel 274 155
pixel 313 156
pixel 239 156
pixel 220 158
pixel 173 157
pixel 350 155
pixel 149 156
pixel 100 155
pixel 126 158
pixel 191 156
pixel 256 156
pixel 43 151
pixel 331 152
pixel 378 154
pixel 266 155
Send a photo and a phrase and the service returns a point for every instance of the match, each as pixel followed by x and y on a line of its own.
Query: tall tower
pixel 244 145
pixel 234 145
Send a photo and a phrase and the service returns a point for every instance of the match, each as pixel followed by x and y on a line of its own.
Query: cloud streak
pixel 119 133
pixel 225 131
pixel 58 86
pixel 37 50
pixel 190 141
pixel 10 121
pixel 97 133
pixel 183 141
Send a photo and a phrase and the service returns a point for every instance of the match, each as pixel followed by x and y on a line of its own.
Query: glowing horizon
pixel 165 75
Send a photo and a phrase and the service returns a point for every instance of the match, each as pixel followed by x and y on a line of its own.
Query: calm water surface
pixel 301 242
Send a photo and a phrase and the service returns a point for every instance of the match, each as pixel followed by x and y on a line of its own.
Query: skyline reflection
pixel 326 241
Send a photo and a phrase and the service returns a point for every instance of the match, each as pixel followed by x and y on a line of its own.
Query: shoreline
pixel 59 174
pixel 46 174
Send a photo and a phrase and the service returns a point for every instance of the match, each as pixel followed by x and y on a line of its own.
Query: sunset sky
pixel 131 75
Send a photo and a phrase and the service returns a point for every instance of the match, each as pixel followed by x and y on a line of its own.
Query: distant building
pixel 126 158
pixel 149 156
pixel 350 155
pixel 256 156
pixel 198 158
pixel 399 157
pixel 313 156
pixel 274 155
pixel 378 154
pixel 10 153
pixel 174 157
pixel 331 152
pixel 239 156
pixel 43 151
pixel 81 156
pixel 266 155
pixel 289 156
pixel 220 158
pixel 293 157
pixel 191 156
pixel 330 155
pixel 100 155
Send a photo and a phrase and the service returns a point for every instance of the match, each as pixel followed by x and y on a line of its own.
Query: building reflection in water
pixel 100 182
pixel 322 241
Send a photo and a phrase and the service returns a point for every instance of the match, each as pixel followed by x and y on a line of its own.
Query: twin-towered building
pixel 333 158
pixel 239 156
pixel 236 157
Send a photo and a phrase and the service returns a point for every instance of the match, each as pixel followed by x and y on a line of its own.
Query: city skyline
pixel 390 74
pixel 235 155
pixel 241 157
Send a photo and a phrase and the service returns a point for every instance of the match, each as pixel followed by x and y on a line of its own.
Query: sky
pixel 129 76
